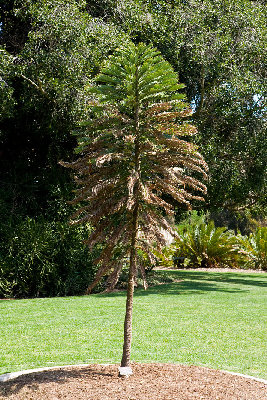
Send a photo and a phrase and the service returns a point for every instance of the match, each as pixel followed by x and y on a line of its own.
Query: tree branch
pixel 39 87
pixel 202 91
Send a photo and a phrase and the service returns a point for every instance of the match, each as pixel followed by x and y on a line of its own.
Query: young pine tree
pixel 134 156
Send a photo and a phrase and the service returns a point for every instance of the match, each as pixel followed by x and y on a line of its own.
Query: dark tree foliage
pixel 50 50
pixel 45 78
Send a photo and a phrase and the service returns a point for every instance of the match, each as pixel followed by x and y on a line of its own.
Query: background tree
pixel 6 90
pixel 50 50
pixel 135 157
pixel 62 49
pixel 218 49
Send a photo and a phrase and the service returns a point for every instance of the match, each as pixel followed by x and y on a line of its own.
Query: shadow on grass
pixel 240 278
pixel 57 376
pixel 184 282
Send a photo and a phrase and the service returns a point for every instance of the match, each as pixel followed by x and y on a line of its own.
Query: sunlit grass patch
pixel 216 319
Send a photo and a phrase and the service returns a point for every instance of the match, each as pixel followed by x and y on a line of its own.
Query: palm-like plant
pixel 204 245
pixel 255 249
pixel 134 150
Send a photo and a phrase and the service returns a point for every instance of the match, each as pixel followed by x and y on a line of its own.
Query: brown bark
pixel 202 91
pixel 125 361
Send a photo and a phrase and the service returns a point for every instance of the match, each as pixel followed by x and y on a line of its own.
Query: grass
pixel 212 319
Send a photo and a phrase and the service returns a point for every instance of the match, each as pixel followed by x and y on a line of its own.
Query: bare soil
pixel 149 382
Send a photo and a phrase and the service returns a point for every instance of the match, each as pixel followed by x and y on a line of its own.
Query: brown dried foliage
pixel 109 185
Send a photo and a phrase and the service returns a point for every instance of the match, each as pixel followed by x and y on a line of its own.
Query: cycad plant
pixel 255 249
pixel 136 148
pixel 204 245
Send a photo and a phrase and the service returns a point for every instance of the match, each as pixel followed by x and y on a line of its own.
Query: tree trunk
pixel 125 361
pixel 202 91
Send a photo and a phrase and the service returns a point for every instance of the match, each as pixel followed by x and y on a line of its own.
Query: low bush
pixel 254 247
pixel 204 245
pixel 45 259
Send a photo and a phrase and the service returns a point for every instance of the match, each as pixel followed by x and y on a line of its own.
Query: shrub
pixel 46 259
pixel 254 247
pixel 204 245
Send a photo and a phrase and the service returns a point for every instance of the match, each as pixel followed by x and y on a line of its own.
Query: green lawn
pixel 208 318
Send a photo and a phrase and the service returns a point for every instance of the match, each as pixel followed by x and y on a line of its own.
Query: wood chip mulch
pixel 149 382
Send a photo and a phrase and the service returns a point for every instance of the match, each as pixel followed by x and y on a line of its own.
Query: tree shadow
pixel 4 300
pixel 185 282
pixel 225 277
pixel 59 376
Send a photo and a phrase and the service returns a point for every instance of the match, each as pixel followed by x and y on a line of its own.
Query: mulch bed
pixel 149 382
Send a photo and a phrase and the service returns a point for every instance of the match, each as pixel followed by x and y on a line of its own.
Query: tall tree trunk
pixel 202 91
pixel 125 361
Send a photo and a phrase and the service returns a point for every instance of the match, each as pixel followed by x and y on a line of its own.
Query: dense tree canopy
pixel 46 76
pixel 50 49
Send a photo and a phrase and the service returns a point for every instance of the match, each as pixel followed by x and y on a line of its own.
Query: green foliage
pixel 45 76
pixel 226 80
pixel 45 259
pixel 255 249
pixel 67 46
pixel 6 89
pixel 201 244
pixel 218 49
pixel 192 217
pixel 204 245
pixel 243 221
pixel 55 47
pixel 140 68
